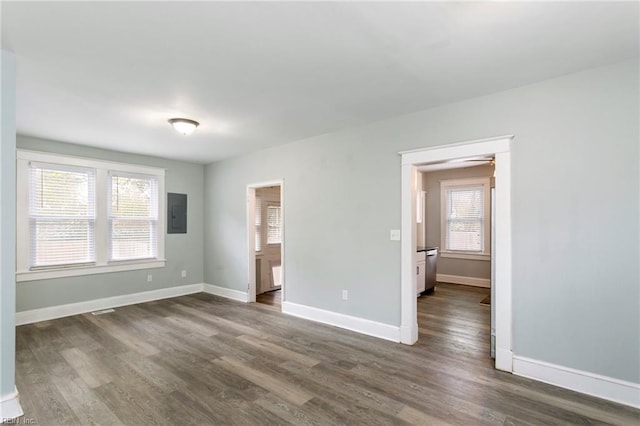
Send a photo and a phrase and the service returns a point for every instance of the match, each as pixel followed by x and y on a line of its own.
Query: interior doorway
pixel 454 227
pixel 499 148
pixel 265 242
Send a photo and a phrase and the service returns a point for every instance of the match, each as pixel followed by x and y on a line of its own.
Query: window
pixel 274 224
pixel 258 224
pixel 61 216
pixel 268 219
pixel 464 219
pixel 80 216
pixel 133 217
pixel 465 216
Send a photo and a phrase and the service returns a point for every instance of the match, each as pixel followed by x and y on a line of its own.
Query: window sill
pixel 88 270
pixel 464 255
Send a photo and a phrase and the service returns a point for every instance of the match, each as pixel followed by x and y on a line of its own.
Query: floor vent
pixel 103 311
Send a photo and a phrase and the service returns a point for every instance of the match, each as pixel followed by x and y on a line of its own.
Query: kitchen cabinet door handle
pixel 417 270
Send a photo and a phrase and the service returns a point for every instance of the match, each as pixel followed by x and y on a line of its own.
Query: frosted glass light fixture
pixel 184 125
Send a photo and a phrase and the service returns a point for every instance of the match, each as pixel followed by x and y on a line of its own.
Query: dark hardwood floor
pixel 271 298
pixel 203 360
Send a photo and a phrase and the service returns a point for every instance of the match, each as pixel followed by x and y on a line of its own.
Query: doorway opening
pixel 265 243
pixel 454 240
pixel 499 149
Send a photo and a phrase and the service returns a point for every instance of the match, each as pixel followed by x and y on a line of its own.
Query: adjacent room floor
pixel 271 298
pixel 201 359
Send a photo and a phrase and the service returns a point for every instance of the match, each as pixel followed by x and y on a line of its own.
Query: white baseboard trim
pixel 615 390
pixel 504 360
pixel 10 408
pixel 360 325
pixel 226 292
pixel 60 311
pixel 459 279
pixel 409 334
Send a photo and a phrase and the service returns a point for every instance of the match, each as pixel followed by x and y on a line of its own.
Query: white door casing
pixel 500 148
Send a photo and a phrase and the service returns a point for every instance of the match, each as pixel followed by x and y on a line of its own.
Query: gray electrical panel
pixel 176 213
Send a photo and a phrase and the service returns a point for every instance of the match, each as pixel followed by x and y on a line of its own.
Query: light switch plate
pixel 395 235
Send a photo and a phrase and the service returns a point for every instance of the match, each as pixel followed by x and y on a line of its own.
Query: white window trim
pixel 456 254
pixel 102 264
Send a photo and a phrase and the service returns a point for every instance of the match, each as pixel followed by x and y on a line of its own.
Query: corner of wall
pixel 10 408
pixel 228 293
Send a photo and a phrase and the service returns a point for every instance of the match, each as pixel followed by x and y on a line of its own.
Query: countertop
pixel 426 248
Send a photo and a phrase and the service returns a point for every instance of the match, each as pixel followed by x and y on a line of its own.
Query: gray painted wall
pixel 183 251
pixel 431 184
pixel 575 224
pixel 7 225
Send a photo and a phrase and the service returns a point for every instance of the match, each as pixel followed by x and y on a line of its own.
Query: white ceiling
pixel 261 74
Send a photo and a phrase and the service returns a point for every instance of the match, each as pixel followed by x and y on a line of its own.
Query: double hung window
pixel 268 223
pixel 80 216
pixel 258 223
pixel 133 217
pixel 274 224
pixel 62 216
pixel 465 216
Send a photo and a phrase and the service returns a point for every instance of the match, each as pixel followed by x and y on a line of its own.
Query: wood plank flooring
pixel 202 360
pixel 271 298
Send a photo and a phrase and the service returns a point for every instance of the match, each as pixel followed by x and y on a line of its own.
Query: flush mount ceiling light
pixel 184 125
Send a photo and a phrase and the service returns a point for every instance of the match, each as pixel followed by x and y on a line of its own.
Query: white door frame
pixel 500 147
pixel 251 236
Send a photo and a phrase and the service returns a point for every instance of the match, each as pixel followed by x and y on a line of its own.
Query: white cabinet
pixel 421 264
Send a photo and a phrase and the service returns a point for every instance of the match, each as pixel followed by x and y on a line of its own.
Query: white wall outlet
pixel 345 294
pixel 395 235
pixel 149 278
pixel 184 273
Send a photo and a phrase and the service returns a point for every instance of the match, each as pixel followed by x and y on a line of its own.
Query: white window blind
pixel 61 215
pixel 274 225
pixel 133 217
pixel 78 216
pixel 465 219
pixel 258 224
